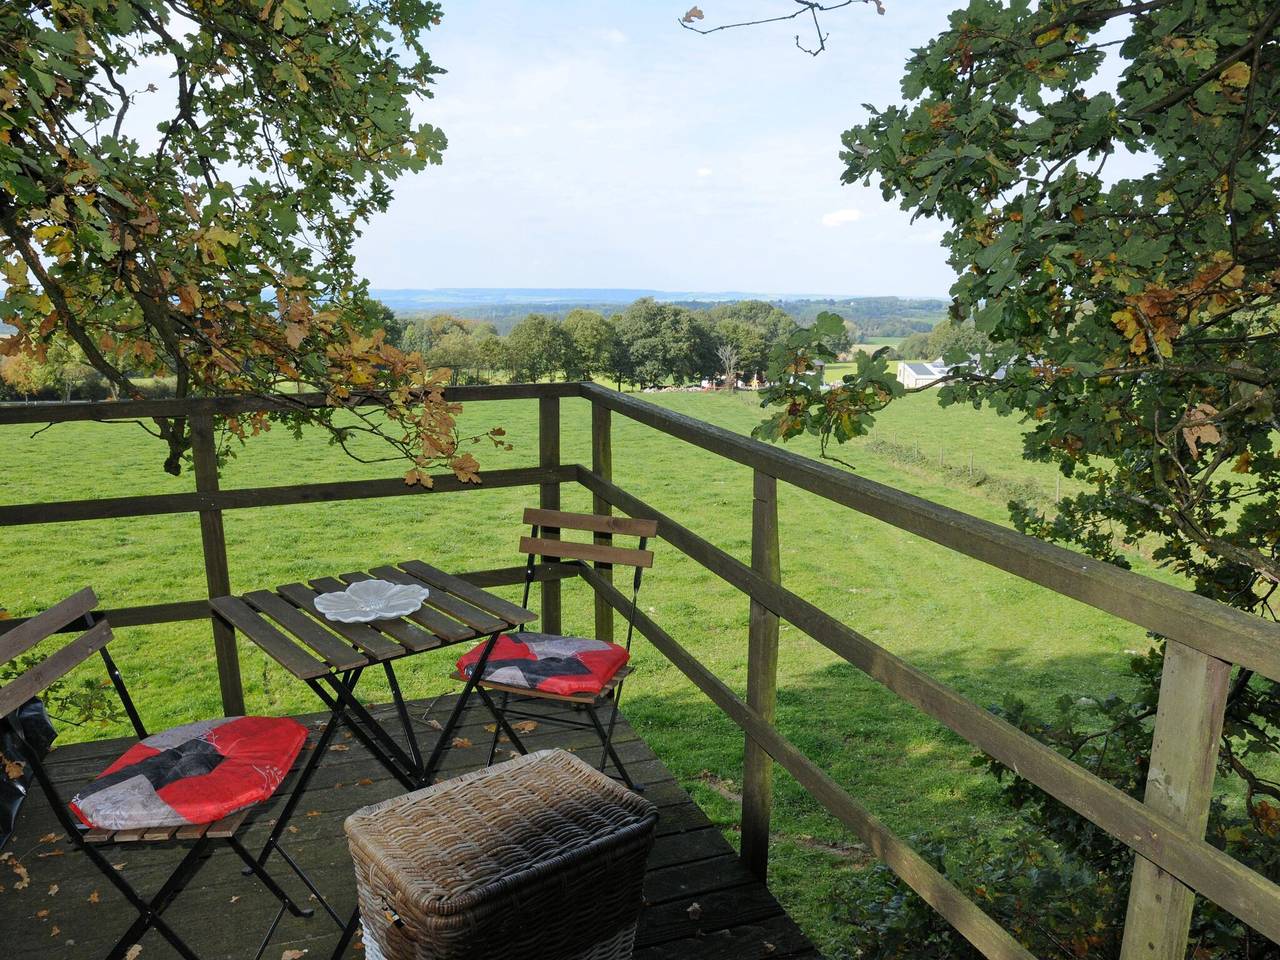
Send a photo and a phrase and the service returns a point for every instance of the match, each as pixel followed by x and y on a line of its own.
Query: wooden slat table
pixel 330 657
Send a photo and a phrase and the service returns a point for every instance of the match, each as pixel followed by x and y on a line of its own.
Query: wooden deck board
pixel 223 914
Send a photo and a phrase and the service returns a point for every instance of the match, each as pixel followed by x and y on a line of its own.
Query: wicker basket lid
pixel 462 842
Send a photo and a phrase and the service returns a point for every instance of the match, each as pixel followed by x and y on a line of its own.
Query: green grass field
pixel 987 633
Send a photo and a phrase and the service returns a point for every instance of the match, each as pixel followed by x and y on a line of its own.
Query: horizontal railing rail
pixel 108 410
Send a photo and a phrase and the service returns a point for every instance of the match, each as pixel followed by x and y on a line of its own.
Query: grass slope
pixel 986 633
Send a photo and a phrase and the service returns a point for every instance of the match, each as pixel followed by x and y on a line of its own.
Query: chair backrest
pixel 638 557
pixel 57 665
pixel 558 520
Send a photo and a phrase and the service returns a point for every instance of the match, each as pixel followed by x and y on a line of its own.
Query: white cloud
pixel 615 36
pixel 704 171
pixel 838 218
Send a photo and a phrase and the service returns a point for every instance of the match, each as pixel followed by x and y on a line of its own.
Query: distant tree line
pixel 647 344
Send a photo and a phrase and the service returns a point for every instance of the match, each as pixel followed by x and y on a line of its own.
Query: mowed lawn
pixel 987 633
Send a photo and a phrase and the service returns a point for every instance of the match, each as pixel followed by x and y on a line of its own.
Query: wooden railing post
pixel 204 454
pixel 762 679
pixel 1184 756
pixel 602 466
pixel 549 499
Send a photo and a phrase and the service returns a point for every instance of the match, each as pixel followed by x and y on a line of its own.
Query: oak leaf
pixel 692 14
pixel 1198 427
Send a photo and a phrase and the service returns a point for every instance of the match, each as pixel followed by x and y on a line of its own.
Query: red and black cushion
pixel 196 773
pixel 546 662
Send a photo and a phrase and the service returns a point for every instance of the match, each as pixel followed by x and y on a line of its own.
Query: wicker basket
pixel 540 857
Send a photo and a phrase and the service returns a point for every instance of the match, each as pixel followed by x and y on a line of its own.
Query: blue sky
pixel 596 144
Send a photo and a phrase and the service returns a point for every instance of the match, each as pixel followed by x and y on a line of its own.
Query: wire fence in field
pixel 963 468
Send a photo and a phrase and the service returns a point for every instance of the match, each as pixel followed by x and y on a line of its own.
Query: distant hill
pixel 505 306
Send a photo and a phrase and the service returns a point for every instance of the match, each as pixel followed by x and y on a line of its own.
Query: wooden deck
pixel 69 910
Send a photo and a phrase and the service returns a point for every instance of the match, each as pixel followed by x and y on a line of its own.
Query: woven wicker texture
pixel 540 857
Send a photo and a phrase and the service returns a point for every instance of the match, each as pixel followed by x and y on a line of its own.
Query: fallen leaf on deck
pixel 769 948
pixel 117 866
pixel 133 952
pixel 49 838
pixel 53 889
pixel 462 743
pixel 234 899
pixel 363 782
pixel 525 726
pixel 435 725
pixel 293 955
pixel 41 914
pixel 94 897
pixel 694 911
pixel 55 931
pixel 313 813
pixel 340 747
pixel 291 828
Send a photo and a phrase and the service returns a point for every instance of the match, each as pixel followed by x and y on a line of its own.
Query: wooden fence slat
pixel 762 679
pixel 109 410
pixel 204 455
pixel 1184 755
pixel 114 508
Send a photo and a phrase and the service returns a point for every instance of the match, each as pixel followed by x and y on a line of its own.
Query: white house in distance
pixel 925 373
pixel 921 373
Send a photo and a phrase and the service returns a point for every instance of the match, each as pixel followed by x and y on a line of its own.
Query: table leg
pixel 401 709
pixel 375 738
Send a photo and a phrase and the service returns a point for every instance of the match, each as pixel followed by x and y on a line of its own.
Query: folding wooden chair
pixel 526 666
pixel 199 839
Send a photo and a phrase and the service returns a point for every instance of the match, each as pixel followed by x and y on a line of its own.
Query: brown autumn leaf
pixel 133 952
pixel 42 914
pixel 339 748
pixel 13 769
pixel 49 838
pixel 694 910
pixel 55 931
pixel 525 726
pixel 1198 428
pixel 53 889
pixel 364 782
pixel 435 724
pixel 95 897
pixel 462 743
pixel 293 955
pixel 313 813
pixel 692 14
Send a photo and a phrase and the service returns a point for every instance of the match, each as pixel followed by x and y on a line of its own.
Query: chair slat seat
pixel 593 522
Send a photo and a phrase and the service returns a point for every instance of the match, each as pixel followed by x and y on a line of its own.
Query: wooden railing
pixel 1173 862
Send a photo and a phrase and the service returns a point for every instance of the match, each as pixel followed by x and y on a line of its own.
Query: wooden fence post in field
pixel 762 679
pixel 1184 756
pixel 549 499
pixel 602 466
pixel 204 454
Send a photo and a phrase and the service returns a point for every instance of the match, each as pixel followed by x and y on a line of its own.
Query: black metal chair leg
pixel 500 724
pixel 497 730
pixel 308 883
pixel 149 916
pixel 611 753
pixel 348 932
pixel 271 932
pixel 268 881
